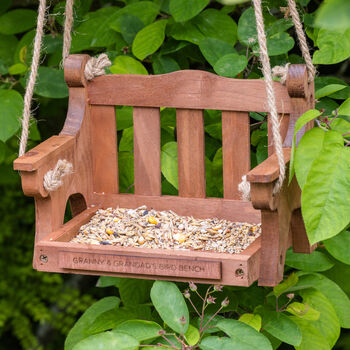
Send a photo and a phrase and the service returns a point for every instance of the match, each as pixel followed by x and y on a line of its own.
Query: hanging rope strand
pixel 271 100
pixel 302 39
pixel 28 96
pixel 67 34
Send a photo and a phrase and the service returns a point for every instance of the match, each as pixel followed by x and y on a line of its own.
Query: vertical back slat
pixel 147 151
pixel 191 152
pixel 235 151
pixel 104 151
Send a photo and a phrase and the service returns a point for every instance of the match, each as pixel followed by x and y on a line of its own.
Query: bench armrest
pixel 34 164
pixel 268 171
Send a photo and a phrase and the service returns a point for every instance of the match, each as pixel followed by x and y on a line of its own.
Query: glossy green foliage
pixel 158 37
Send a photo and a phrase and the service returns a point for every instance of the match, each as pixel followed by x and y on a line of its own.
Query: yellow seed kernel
pixel 110 232
pixel 115 220
pixel 152 220
pixel 141 240
pixel 179 237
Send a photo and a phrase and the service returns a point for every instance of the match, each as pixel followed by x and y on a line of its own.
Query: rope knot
pixel 53 178
pixel 281 72
pixel 95 66
pixel 244 188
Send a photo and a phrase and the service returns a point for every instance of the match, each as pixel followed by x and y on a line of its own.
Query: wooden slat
pixel 235 151
pixel 202 208
pixel 186 89
pixel 104 150
pixel 236 269
pixel 147 151
pixel 191 152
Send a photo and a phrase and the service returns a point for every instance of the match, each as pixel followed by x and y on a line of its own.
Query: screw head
pixel 44 258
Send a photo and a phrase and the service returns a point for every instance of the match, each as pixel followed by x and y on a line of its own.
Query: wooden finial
pixel 297 80
pixel 74 67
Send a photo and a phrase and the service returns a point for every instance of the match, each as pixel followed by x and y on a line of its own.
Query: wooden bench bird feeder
pixel 89 141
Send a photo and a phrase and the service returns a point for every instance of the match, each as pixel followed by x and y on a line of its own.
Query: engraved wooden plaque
pixel 140 265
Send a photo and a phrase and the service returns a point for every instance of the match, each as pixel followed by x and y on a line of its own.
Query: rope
pixel 95 66
pixel 302 39
pixel 271 100
pixel 32 77
pixel 53 178
pixel 281 72
pixel 67 34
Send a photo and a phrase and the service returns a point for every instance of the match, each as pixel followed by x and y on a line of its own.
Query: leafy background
pixel 155 37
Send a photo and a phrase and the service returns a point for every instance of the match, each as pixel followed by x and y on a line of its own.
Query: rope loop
pixel 95 66
pixel 53 178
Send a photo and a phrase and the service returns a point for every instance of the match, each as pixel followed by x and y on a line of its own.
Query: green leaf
pixel 330 52
pixel 127 65
pixel 134 291
pixel 210 23
pixel 164 64
pixel 281 25
pixel 215 24
pixel 126 171
pixel 338 246
pixel 11 108
pixel 252 320
pixel 80 329
pixel 169 163
pixel 139 329
pixel 113 318
pixel 247 33
pixel 333 15
pixel 171 305
pixel 326 193
pixel 50 83
pixel 192 335
pixel 280 326
pixel 217 343
pixel 23 52
pixel 94 31
pixel 343 94
pixel 130 25
pixel 8 44
pixel 328 90
pixel 308 149
pixel 108 281
pixel 344 108
pixel 314 262
pixel 279 43
pixel 108 341
pixel 285 285
pixel 124 117
pixel 230 65
pixel 300 123
pixel 244 336
pixel 213 49
pixel 303 311
pixel 328 322
pixel 333 292
pixel 17 21
pixel 312 338
pixel 18 68
pixel 146 11
pixel 341 125
pixel 4 5
pixel 262 150
pixel 2 151
pixel 149 39
pixel 127 140
pixel 183 10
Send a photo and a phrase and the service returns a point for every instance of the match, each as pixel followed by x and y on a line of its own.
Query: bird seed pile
pixel 165 229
